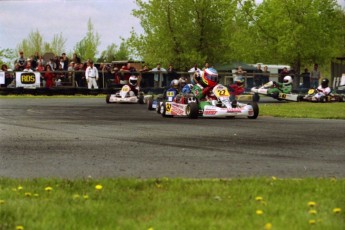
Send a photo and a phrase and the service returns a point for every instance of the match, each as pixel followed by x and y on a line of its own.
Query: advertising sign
pixel 28 79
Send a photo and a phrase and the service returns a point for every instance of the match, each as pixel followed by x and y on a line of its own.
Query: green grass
pixel 334 110
pixel 172 203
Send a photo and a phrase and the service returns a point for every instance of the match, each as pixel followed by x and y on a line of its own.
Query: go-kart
pixel 125 95
pixel 331 97
pixel 263 90
pixel 190 106
pixel 154 104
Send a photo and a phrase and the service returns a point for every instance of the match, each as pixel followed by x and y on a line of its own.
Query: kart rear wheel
pixel 149 104
pixel 255 110
pixel 107 99
pixel 192 110
pixel 158 108
pixel 141 99
pixel 322 99
pixel 256 97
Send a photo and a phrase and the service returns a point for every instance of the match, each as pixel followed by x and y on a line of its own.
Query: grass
pixel 334 110
pixel 252 203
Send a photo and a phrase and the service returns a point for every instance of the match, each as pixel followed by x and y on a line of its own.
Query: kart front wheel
pixel 107 99
pixel 255 107
pixel 192 110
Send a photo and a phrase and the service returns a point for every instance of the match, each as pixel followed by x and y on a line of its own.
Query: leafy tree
pixel 6 55
pixel 87 47
pixel 113 52
pixel 33 43
pixel 57 45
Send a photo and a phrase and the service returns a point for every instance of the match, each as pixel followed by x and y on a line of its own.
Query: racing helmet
pixel 133 80
pixel 182 81
pixel 287 80
pixel 210 77
pixel 239 80
pixel 324 83
pixel 174 84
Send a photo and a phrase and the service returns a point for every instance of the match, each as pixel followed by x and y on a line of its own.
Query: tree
pixel 87 47
pixel 57 45
pixel 182 32
pixel 6 55
pixel 33 43
pixel 113 52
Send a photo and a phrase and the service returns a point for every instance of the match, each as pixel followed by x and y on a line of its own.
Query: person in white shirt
pixel 323 89
pixel 158 75
pixel 91 76
pixel 192 72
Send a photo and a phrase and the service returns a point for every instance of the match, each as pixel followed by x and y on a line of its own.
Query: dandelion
pixel 311 204
pixel 150 228
pixel 333 179
pixel 48 189
pixel 99 187
pixel 259 198
pixel 337 210
pixel 36 195
pixel 159 185
pixel 28 194
pixel 312 211
pixel 19 227
pixel 312 221
pixel 2 202
pixel 274 178
pixel 268 226
pixel 259 212
pixel 20 187
pixel 76 196
pixel 86 197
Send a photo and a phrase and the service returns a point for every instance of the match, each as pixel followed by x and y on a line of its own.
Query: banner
pixel 28 79
pixel 2 77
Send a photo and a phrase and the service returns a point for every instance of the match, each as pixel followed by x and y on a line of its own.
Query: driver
pixel 172 91
pixel 206 81
pixel 323 89
pixel 284 87
pixel 133 84
pixel 237 88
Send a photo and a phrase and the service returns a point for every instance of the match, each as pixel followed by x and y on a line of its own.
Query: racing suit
pixel 322 92
pixel 134 89
pixel 280 88
pixel 235 90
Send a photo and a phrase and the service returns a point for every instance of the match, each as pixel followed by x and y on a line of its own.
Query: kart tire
pixel 322 99
pixel 255 109
pixel 192 110
pixel 107 99
pixel 300 98
pixel 256 97
pixel 149 104
pixel 158 108
pixel 141 99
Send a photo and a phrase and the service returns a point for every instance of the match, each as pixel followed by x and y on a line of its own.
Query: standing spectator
pixel 315 76
pixel 48 76
pixel 143 79
pixel 117 76
pixel 79 75
pixel 306 78
pixel 91 76
pixel 40 68
pixel 127 71
pixel 282 74
pixel 34 60
pixel 28 67
pixel 41 60
pixel 192 71
pixel 21 62
pixel 71 71
pixel 258 76
pixel 158 75
pixel 76 59
pixel 206 66
pixel 266 75
pixel 8 75
pixel 171 75
pixel 65 61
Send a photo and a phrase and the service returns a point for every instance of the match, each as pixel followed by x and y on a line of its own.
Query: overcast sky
pixel 112 19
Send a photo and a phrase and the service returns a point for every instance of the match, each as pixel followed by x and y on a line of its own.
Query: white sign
pixel 28 79
pixel 2 77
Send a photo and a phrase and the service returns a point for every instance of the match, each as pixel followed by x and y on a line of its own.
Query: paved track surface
pixel 81 137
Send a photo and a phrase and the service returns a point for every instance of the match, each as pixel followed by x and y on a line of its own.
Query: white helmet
pixel 133 80
pixel 287 80
pixel 174 83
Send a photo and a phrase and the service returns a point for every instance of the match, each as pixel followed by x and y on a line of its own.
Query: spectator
pixel 171 75
pixel 65 61
pixel 143 80
pixel 266 75
pixel 48 76
pixel 41 60
pixel 282 74
pixel 258 76
pixel 158 75
pixel 206 66
pixel 91 76
pixel 192 71
pixel 28 67
pixel 21 62
pixel 79 75
pixel 34 60
pixel 127 71
pixel 40 68
pixel 315 76
pixel 117 76
pixel 306 78
pixel 8 75
pixel 70 71
pixel 76 59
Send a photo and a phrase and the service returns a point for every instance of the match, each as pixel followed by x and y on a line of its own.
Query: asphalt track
pixel 85 137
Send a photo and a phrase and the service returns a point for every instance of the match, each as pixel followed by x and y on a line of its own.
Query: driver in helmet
pixel 323 89
pixel 284 87
pixel 206 81
pixel 170 93
pixel 236 88
pixel 133 84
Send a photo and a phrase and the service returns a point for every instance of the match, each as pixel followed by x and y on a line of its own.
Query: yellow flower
pixel 274 178
pixel 259 212
pixel 268 226
pixel 48 189
pixel 337 210
pixel 312 221
pixel 19 227
pixel 99 187
pixel 20 187
pixel 311 204
pixel 27 194
pixel 312 211
pixel 86 197
pixel 159 185
pixel 76 196
pixel 36 195
pixel 258 198
pixel 2 202
pixel 150 228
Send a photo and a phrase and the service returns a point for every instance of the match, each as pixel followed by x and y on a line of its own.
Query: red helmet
pixel 210 77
